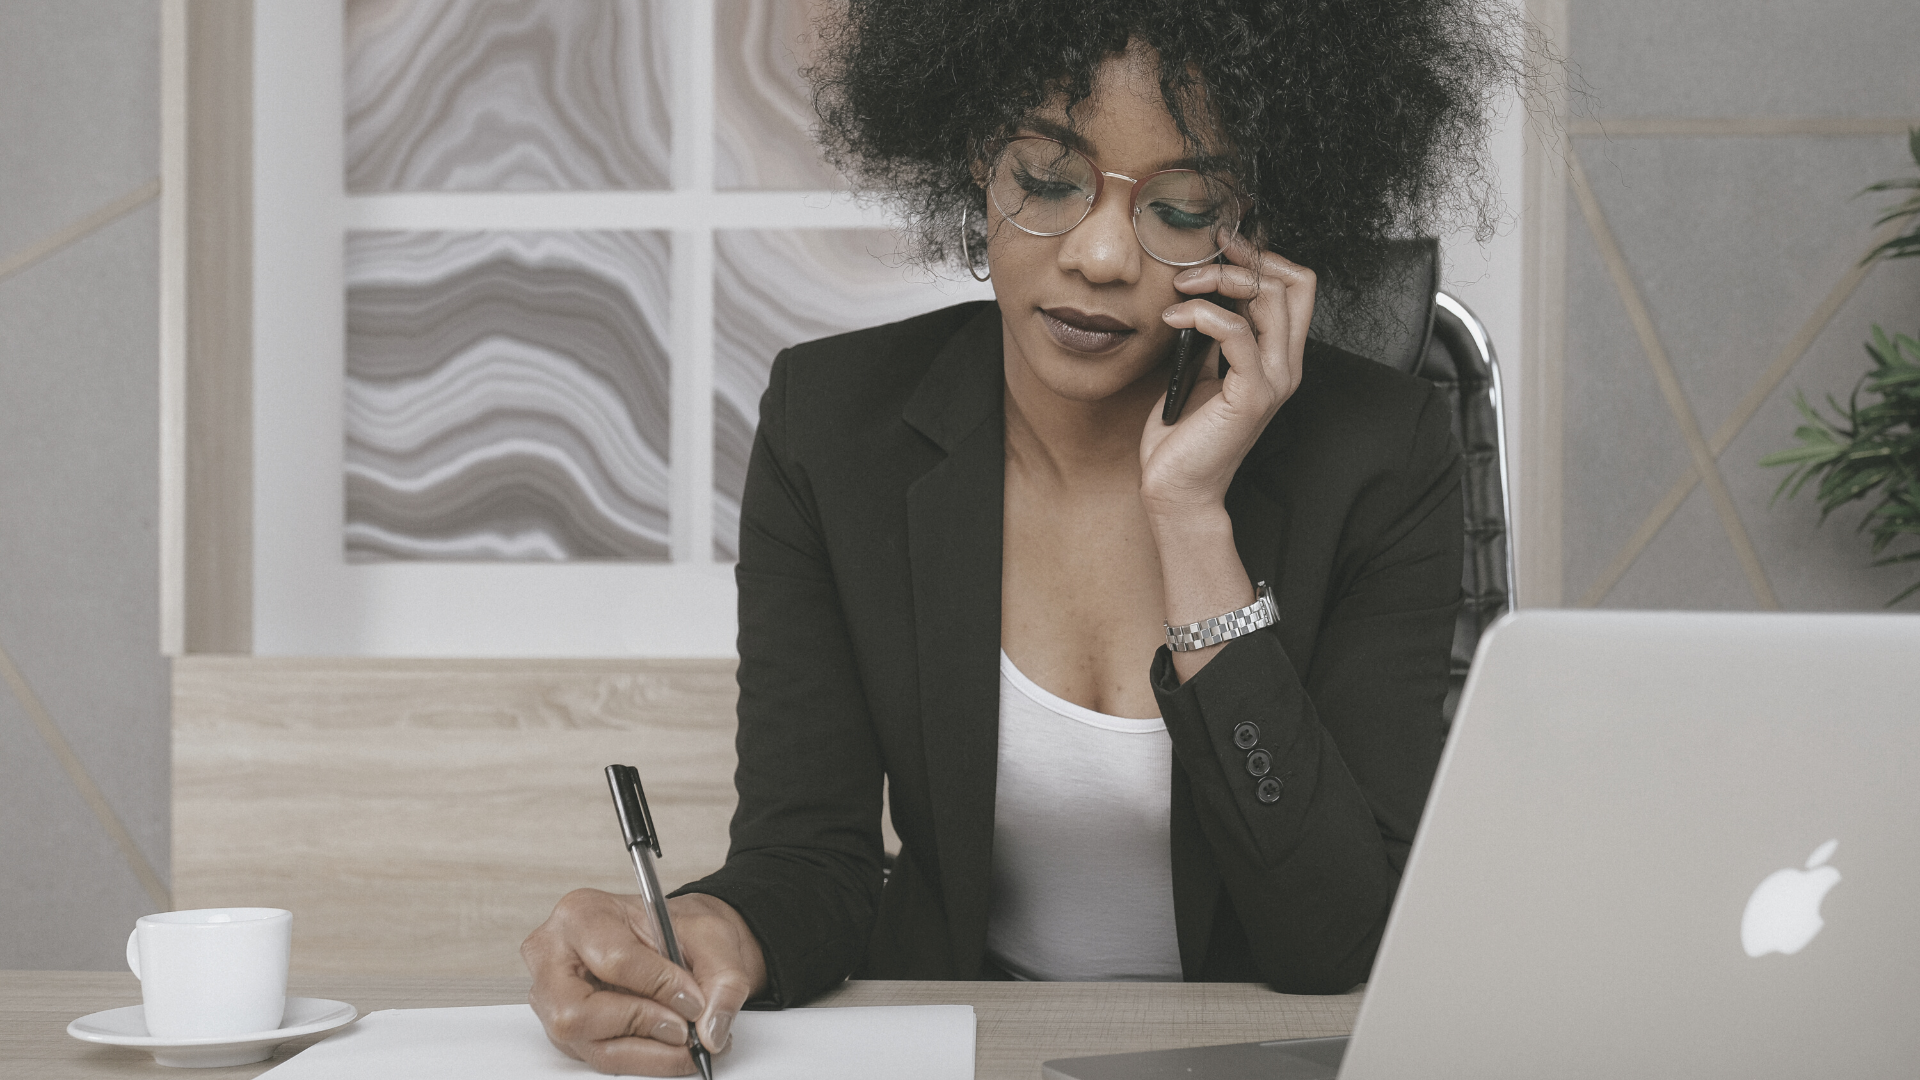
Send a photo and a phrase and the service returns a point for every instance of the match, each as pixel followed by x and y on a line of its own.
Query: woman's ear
pixel 978 163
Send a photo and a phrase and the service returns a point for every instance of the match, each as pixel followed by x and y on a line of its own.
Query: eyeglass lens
pixel 1045 188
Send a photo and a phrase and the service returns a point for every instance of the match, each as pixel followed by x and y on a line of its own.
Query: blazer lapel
pixel 954 518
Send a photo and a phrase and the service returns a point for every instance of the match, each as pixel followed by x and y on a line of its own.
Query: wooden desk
pixel 1020 1024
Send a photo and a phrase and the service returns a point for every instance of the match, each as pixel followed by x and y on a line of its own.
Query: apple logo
pixel 1783 914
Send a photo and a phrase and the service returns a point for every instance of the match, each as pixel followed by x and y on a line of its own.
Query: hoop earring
pixel 967 254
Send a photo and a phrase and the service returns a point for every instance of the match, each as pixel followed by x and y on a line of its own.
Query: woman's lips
pixel 1082 332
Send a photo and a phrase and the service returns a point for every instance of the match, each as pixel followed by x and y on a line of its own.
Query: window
pixel 520 269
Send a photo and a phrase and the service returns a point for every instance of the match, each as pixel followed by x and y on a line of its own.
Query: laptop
pixel 1658 845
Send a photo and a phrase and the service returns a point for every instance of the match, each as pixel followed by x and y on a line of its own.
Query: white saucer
pixel 128 1027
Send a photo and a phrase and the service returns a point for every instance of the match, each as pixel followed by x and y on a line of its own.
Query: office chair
pixel 1426 333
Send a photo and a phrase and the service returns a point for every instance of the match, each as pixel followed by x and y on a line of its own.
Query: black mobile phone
pixel 1188 349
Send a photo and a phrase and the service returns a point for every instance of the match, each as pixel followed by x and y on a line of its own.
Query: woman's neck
pixel 1073 442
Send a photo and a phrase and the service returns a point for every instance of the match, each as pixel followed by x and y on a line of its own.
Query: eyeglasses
pixel 1045 187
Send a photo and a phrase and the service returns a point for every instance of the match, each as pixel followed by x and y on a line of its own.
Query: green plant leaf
pixel 1871 449
pixel 1866 450
pixel 1906 245
pixel 1801 455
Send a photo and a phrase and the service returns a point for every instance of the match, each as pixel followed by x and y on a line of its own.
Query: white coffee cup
pixel 213 971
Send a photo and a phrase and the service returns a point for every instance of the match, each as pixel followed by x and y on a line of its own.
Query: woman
pixel 969 543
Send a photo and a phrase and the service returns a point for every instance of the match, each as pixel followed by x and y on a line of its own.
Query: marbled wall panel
pixel 1622 449
pixel 763 114
pixel 1735 242
pixel 507 396
pixel 1688 566
pixel 483 95
pixel 80 409
pixel 1818 565
pixel 1720 58
pixel 775 288
pixel 80 567
pixel 79 115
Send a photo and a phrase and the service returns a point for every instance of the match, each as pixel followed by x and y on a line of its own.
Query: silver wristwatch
pixel 1262 612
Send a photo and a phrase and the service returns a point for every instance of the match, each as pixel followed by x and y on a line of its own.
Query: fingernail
pixel 717 1031
pixel 1168 314
pixel 684 1004
pixel 671 1032
pixel 1186 275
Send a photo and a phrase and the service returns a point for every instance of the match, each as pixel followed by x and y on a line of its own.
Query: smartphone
pixel 1188 349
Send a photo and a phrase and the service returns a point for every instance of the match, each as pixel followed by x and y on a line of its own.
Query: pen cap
pixel 630 804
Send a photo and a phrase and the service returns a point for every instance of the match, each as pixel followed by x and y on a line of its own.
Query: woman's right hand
pixel 609 998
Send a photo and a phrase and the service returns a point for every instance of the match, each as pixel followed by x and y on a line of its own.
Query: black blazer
pixel 869 575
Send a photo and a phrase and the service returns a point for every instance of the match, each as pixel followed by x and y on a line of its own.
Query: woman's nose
pixel 1102 247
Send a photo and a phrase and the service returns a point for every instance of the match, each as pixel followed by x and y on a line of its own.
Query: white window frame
pixel 307 599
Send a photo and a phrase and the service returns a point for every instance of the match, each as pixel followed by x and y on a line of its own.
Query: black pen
pixel 643 844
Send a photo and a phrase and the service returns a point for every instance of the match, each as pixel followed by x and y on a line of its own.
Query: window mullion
pixel 691 490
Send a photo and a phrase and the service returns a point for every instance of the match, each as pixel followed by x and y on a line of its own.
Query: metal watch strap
pixel 1262 612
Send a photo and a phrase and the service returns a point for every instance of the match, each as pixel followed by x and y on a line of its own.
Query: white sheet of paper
pixel 504 1042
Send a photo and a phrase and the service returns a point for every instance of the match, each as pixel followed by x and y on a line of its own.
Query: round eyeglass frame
pixel 999 147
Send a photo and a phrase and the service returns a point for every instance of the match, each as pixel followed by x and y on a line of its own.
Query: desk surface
pixel 1020 1024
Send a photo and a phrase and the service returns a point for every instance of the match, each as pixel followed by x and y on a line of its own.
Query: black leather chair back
pixel 1435 337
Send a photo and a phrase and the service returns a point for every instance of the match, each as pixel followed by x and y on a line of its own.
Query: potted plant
pixel 1873 449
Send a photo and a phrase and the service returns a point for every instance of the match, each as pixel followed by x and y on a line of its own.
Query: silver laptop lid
pixel 1681 845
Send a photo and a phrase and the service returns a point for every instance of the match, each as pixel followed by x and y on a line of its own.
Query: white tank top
pixel 1082 881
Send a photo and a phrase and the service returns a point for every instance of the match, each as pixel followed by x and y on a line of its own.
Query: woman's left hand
pixel 1186 467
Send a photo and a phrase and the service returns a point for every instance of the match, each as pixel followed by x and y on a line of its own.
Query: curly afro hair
pixel 1348 121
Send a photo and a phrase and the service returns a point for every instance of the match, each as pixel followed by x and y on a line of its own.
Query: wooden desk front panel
pixel 423 815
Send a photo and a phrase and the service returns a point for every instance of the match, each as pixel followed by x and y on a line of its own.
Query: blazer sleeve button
pixel 1259 763
pixel 1245 734
pixel 1268 790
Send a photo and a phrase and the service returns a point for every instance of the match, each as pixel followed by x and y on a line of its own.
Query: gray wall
pixel 79 478
pixel 1733 241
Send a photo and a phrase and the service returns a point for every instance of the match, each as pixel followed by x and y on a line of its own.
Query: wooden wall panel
pixel 215 340
pixel 424 815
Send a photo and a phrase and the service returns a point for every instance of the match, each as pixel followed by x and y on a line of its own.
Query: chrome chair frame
pixel 1484 343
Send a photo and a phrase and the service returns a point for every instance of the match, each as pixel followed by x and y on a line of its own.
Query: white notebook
pixel 505 1042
